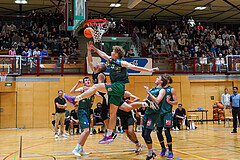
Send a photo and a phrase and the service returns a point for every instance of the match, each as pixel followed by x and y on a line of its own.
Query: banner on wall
pixel 141 62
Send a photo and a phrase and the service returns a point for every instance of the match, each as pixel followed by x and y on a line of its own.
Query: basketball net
pixel 99 26
pixel 3 76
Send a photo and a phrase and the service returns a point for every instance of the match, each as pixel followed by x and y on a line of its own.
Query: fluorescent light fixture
pixel 112 5
pixel 200 8
pixel 21 1
pixel 115 5
pixel 133 3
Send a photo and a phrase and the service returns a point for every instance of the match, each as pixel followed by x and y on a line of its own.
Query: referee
pixel 235 107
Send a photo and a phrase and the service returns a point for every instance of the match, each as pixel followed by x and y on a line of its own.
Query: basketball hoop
pixel 100 26
pixel 3 76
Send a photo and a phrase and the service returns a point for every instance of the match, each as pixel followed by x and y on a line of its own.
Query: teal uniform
pixel 151 116
pixel 119 77
pixel 83 112
pixel 166 118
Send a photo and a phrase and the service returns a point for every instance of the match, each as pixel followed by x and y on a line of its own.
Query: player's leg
pixel 168 125
pixel 133 136
pixel 91 124
pixel 92 90
pixel 146 134
pixel 135 105
pixel 161 141
pixel 57 119
pixel 84 121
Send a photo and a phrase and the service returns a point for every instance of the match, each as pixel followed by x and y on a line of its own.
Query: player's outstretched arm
pixel 174 96
pixel 137 68
pixel 99 52
pixel 79 90
pixel 129 94
pixel 90 60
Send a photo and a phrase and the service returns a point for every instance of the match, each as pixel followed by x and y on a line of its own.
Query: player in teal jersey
pixel 151 116
pixel 166 118
pixel 119 77
pixel 83 114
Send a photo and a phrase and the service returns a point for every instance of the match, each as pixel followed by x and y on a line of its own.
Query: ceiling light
pixel 115 5
pixel 112 5
pixel 200 8
pixel 21 1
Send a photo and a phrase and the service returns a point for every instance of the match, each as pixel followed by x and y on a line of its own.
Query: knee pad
pixel 168 135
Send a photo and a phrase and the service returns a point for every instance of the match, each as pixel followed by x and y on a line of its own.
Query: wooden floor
pixel 207 142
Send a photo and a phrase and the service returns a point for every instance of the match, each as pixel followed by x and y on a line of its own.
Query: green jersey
pixel 166 107
pixel 155 92
pixel 86 103
pixel 117 72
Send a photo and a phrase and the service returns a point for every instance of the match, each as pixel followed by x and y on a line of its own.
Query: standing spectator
pixel 62 29
pixel 49 19
pixel 235 108
pixel 158 36
pixel 143 32
pixel 153 21
pixel 41 18
pixel 66 122
pixel 191 22
pixel 225 99
pixel 183 22
pixel 180 115
pixel 112 25
pixel 16 38
pixel 33 17
pixel 12 51
pixel 219 63
pixel 60 106
pixel 121 26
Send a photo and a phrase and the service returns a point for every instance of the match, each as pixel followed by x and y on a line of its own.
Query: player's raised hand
pixel 89 45
pixel 154 69
pixel 80 81
pixel 128 101
pixel 146 88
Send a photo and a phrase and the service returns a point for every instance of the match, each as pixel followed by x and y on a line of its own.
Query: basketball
pixel 88 32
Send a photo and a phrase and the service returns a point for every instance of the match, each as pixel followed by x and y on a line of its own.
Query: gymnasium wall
pixel 29 102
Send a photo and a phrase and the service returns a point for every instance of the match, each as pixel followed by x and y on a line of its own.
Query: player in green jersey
pixel 115 89
pixel 166 118
pixel 83 114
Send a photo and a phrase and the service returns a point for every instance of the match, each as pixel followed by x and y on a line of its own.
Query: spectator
pixel 121 26
pixel 203 62
pixel 12 51
pixel 143 32
pixel 40 46
pixel 163 43
pixel 158 36
pixel 97 114
pixel 74 119
pixel 49 19
pixel 36 52
pixel 45 29
pixel 20 48
pixel 12 28
pixel 181 43
pixel 16 38
pixel 55 48
pixel 35 28
pixel 171 41
pixel 153 21
pixel 26 52
pixel 31 47
pixel 74 41
pixel 7 41
pixel 225 35
pixel 130 53
pixel 180 115
pixel 33 17
pixel 112 25
pixel 44 53
pixel 32 37
pixel 225 99
pixel 41 18
pixel 60 106
pixel 155 54
pixel 191 22
pixel 235 108
pixel 62 29
pixel 219 63
pixel 219 41
pixel 66 122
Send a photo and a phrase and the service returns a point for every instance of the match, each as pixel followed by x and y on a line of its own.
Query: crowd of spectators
pixel 44 32
pixel 187 38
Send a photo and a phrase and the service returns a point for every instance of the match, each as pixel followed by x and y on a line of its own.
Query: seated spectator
pixel 143 32
pixel 32 37
pixel 74 119
pixel 20 48
pixel 62 46
pixel 55 48
pixel 31 47
pixel 62 29
pixel 155 53
pixel 25 39
pixel 40 46
pixel 130 53
pixel 171 41
pixel 44 53
pixel 220 61
pixel 203 62
pixel 12 28
pixel 212 36
pixel 158 36
pixel 219 41
pixel 225 35
pixel 66 122
pixel 26 52
pixel 181 43
pixel 12 51
pixel 36 52
pixel 49 40
pixel 150 47
pixel 35 28
pixel 45 29
pixel 197 62
pixel 180 115
pixel 16 38
pixel 156 30
pixel 74 42
pixel 163 43
pixel 97 114
pixel 40 38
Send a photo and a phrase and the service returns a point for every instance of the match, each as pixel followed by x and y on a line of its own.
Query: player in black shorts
pixel 127 120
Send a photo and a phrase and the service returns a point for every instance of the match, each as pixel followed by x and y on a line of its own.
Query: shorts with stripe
pixel 84 118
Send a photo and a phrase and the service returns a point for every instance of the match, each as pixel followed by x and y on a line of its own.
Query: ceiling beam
pixel 222 12
pixel 231 4
pixel 101 13
pixel 203 5
pixel 167 7
pixel 132 10
pixel 231 16
pixel 145 9
pixel 162 8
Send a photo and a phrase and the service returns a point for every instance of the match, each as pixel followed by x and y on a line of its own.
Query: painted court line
pixel 146 147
